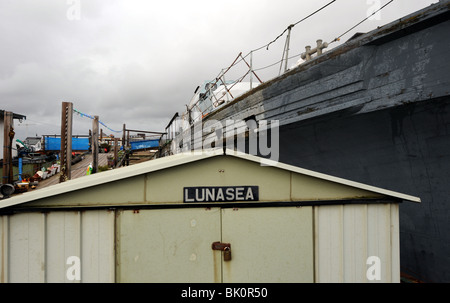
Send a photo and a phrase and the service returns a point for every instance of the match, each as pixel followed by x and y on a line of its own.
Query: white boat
pixel 210 96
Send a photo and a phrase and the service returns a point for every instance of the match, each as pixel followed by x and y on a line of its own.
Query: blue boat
pixel 144 144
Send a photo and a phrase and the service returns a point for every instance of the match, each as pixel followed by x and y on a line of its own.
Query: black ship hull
pixel 374 110
pixel 404 149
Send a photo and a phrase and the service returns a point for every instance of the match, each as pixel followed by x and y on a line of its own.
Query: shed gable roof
pixel 174 161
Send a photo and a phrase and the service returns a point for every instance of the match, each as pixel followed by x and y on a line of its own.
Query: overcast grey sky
pixel 139 61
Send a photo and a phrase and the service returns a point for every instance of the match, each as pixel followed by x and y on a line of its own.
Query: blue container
pixel 54 144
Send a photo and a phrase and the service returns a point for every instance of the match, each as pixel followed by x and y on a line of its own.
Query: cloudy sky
pixel 139 61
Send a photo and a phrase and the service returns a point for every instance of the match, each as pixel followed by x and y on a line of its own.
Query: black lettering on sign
pixel 220 194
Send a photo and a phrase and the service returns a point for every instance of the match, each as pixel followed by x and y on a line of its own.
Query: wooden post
pixel 66 141
pixel 90 140
pixel 123 138
pixel 124 142
pixel 127 157
pixel 8 135
pixel 288 38
pixel 95 145
pixel 116 151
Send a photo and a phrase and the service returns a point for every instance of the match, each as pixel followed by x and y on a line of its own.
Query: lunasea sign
pixel 220 194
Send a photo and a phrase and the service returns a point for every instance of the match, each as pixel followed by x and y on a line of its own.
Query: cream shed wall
pixel 40 230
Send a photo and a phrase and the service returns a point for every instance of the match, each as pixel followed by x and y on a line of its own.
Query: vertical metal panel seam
pixel 387 247
pixel 392 248
pixel 370 240
pixel 341 223
pixel 395 234
pixel 28 247
pixel 116 268
pixel 8 249
pixel 4 275
pixel 145 187
pixel 80 242
pixel 112 235
pixel 64 249
pixel 290 187
pixel 2 250
pixel 80 246
pixel 64 253
pixel 99 248
pixel 45 244
pixel 315 261
pixel 366 232
pixel 389 243
pixel 42 247
pixel 317 242
pixel 221 240
pixel 349 215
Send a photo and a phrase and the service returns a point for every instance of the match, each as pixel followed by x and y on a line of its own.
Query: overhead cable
pixel 339 37
pixel 91 117
pixel 294 24
pixel 236 61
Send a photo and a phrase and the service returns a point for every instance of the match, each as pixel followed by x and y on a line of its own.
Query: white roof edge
pixel 268 162
pixel 179 159
pixel 105 177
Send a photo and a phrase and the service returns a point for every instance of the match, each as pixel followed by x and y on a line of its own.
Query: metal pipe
pixel 20 168
pixel 251 69
pixel 288 38
pixel 143 131
pixel 253 72
pixel 225 85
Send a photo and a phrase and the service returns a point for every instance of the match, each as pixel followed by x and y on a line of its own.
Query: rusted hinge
pixel 220 246
pixel 225 248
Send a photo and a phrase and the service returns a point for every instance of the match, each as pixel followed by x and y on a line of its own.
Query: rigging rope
pixel 339 37
pixel 237 60
pixel 267 45
pixel 292 25
pixel 90 117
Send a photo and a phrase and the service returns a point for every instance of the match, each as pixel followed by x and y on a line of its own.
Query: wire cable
pixel 294 24
pixel 242 58
pixel 365 19
pixel 336 39
pixel 90 117
pixel 236 61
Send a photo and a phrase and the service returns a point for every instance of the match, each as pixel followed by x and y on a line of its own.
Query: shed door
pixel 272 244
pixel 168 245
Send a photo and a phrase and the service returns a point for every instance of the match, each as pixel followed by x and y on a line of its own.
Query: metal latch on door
pixel 225 248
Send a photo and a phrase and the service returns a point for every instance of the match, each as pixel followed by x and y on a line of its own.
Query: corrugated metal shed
pixel 156 222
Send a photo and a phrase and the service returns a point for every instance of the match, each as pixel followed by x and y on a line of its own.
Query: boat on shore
pixel 375 109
